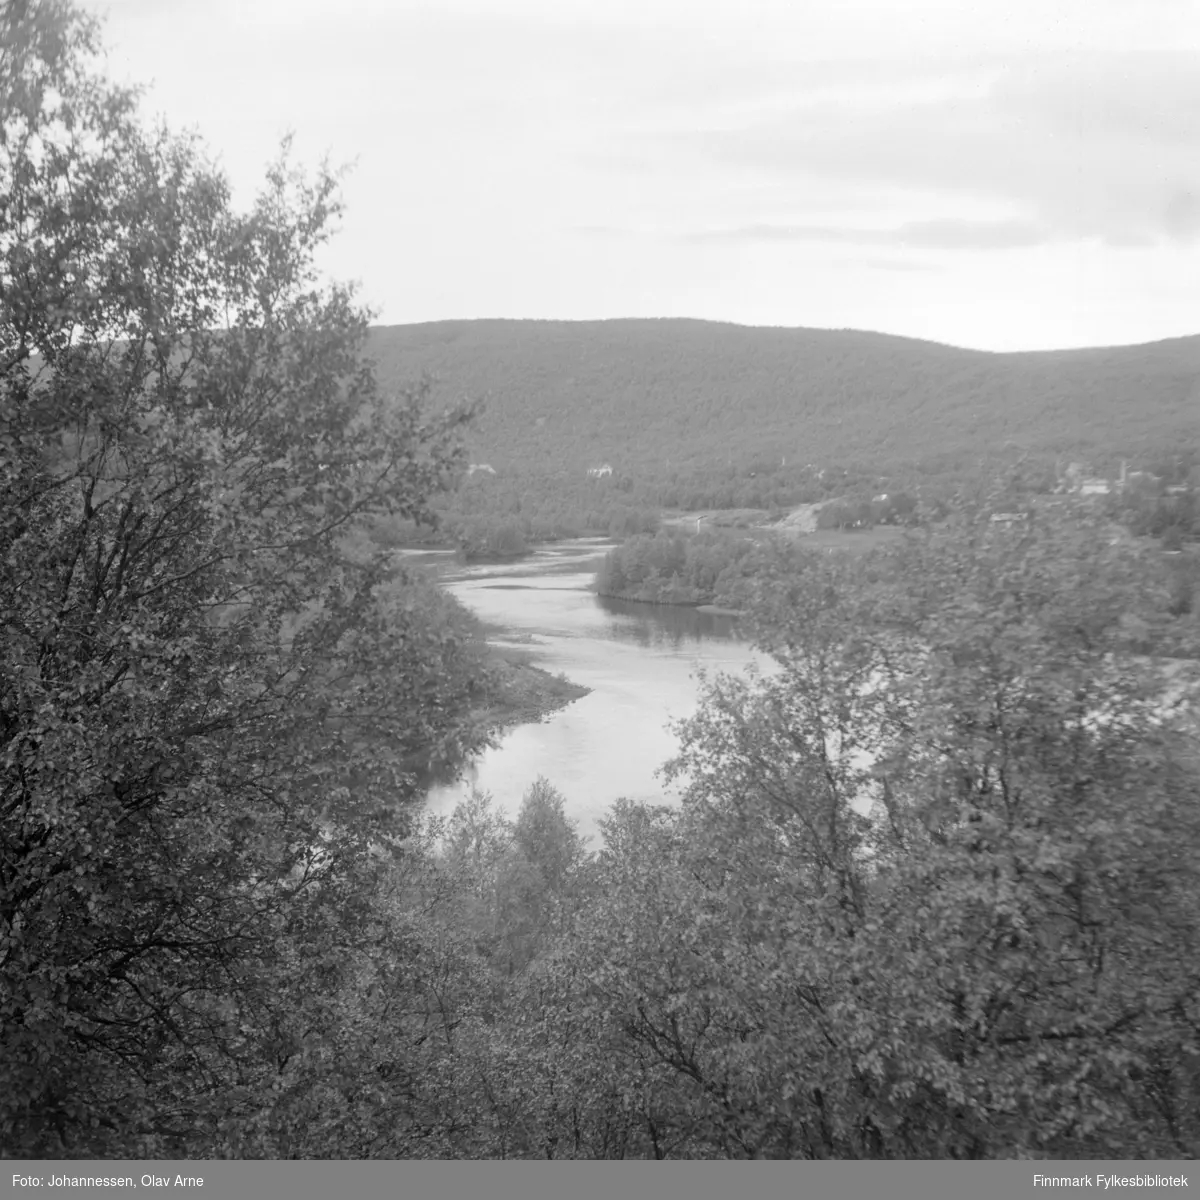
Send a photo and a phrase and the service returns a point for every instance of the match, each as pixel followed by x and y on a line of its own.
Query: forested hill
pixel 643 392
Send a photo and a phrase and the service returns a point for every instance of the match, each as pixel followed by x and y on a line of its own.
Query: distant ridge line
pixel 641 392
pixel 811 330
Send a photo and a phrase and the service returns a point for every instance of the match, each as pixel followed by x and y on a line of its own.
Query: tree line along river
pixel 640 662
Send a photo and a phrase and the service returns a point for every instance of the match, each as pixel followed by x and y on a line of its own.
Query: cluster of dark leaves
pixel 932 891
pixel 211 710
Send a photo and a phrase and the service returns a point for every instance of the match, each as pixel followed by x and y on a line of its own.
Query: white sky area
pixel 1006 175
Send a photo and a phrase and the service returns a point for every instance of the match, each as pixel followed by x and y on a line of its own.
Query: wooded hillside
pixel 650 393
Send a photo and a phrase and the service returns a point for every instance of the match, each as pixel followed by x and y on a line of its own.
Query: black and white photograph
pixel 599 580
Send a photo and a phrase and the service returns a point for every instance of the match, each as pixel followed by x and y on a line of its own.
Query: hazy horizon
pixel 1183 337
pixel 967 172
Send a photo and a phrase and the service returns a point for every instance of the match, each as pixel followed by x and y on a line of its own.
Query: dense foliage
pixel 210 709
pixel 674 568
pixel 932 890
pixel 479 538
pixel 1155 508
pixel 500 515
pixel 706 415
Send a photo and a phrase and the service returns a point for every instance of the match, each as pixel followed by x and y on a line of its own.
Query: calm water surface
pixel 640 660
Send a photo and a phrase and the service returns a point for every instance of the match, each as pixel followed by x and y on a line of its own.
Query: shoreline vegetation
pixel 717 610
pixel 228 930
pixel 712 610
pixel 714 569
pixel 671 567
pixel 528 693
pixel 518 691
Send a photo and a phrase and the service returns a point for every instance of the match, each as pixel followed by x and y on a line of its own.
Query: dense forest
pixel 697 414
pixel 694 415
pixel 673 568
pixel 719 565
pixel 933 886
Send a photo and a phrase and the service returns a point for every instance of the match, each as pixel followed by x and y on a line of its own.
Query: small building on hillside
pixel 1009 518
pixel 486 468
pixel 599 472
pixel 1073 480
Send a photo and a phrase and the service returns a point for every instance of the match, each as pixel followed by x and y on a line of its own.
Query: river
pixel 639 660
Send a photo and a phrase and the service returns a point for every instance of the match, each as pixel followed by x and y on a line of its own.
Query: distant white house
pixel 1074 480
pixel 599 472
pixel 1008 518
pixel 486 468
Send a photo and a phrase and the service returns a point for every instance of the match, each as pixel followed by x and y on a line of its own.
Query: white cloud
pixel 947 167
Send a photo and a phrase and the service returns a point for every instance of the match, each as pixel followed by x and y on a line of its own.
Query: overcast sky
pixel 1008 174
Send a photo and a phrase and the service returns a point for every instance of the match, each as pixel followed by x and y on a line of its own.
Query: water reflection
pixel 640 660
pixel 651 625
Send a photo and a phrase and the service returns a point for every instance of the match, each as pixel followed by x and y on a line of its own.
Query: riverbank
pixel 527 692
pixel 715 610
pixel 632 667
pixel 635 598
